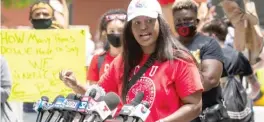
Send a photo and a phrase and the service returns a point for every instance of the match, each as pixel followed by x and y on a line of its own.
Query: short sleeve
pixel 188 79
pixel 212 50
pixel 93 72
pixel 89 51
pixel 109 80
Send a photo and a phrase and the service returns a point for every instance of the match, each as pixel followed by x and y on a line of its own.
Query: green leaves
pixel 17 3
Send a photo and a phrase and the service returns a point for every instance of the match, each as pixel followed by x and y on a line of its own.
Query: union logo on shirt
pixel 145 85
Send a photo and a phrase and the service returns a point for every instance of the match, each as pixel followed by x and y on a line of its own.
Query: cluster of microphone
pixel 78 108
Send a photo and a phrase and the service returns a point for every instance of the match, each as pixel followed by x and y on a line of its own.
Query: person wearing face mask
pixel 41 15
pixel 110 28
pixel 207 52
pixel 153 62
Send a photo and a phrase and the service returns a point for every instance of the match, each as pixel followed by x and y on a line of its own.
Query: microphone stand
pixel 39 117
pixel 82 118
pixel 50 116
pixel 59 117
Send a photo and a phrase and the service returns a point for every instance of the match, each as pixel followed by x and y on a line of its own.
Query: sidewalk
pixel 259 113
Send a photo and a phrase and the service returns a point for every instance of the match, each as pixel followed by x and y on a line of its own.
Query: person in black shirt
pixel 235 62
pixel 205 49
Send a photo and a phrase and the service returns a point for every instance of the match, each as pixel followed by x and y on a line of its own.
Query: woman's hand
pixel 68 78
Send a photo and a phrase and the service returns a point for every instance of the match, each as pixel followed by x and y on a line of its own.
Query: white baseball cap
pixel 149 8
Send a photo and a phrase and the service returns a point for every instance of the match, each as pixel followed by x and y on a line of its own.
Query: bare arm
pixel 259 64
pixel 211 73
pixel 65 12
pixel 79 89
pixel 70 81
pixel 62 17
pixel 189 111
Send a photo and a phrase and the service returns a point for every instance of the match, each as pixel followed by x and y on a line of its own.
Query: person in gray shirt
pixel 5 80
pixel 6 84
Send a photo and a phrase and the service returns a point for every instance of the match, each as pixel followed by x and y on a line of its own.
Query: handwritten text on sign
pixel 36 57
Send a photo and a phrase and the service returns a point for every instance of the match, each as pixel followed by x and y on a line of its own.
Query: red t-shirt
pixel 165 2
pixel 93 74
pixel 163 84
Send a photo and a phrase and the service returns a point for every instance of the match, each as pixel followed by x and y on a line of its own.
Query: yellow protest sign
pixel 36 57
pixel 260 75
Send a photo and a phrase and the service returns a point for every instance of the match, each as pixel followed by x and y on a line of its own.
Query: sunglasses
pixel 115 16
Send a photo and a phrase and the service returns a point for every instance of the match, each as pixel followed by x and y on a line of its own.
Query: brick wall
pixel 14 17
pixel 88 12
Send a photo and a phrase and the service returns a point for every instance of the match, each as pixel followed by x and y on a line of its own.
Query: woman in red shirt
pixel 110 27
pixel 171 85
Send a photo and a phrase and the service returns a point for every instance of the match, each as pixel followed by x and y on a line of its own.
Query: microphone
pixel 95 91
pixel 40 107
pixel 138 98
pixel 129 108
pixel 92 94
pixel 71 104
pixel 56 105
pixel 141 112
pixel 104 108
pixel 86 103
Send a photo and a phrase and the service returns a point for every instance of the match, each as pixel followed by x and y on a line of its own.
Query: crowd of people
pixel 187 54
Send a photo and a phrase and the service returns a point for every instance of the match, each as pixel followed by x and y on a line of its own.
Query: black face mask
pixel 186 30
pixel 41 23
pixel 114 39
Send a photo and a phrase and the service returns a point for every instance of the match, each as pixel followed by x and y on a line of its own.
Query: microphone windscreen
pixel 112 100
pixel 45 98
pixel 101 98
pixel 71 96
pixel 99 91
pixel 146 104
pixel 59 96
pixel 92 93
pixel 138 98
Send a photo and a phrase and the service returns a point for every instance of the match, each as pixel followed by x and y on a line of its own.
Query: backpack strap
pixel 142 70
pixel 100 61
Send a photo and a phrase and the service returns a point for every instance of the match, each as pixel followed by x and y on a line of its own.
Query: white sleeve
pixel 90 46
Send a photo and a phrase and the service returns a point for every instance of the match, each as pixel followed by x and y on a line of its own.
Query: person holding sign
pixel 110 28
pixel 42 17
pixel 157 64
